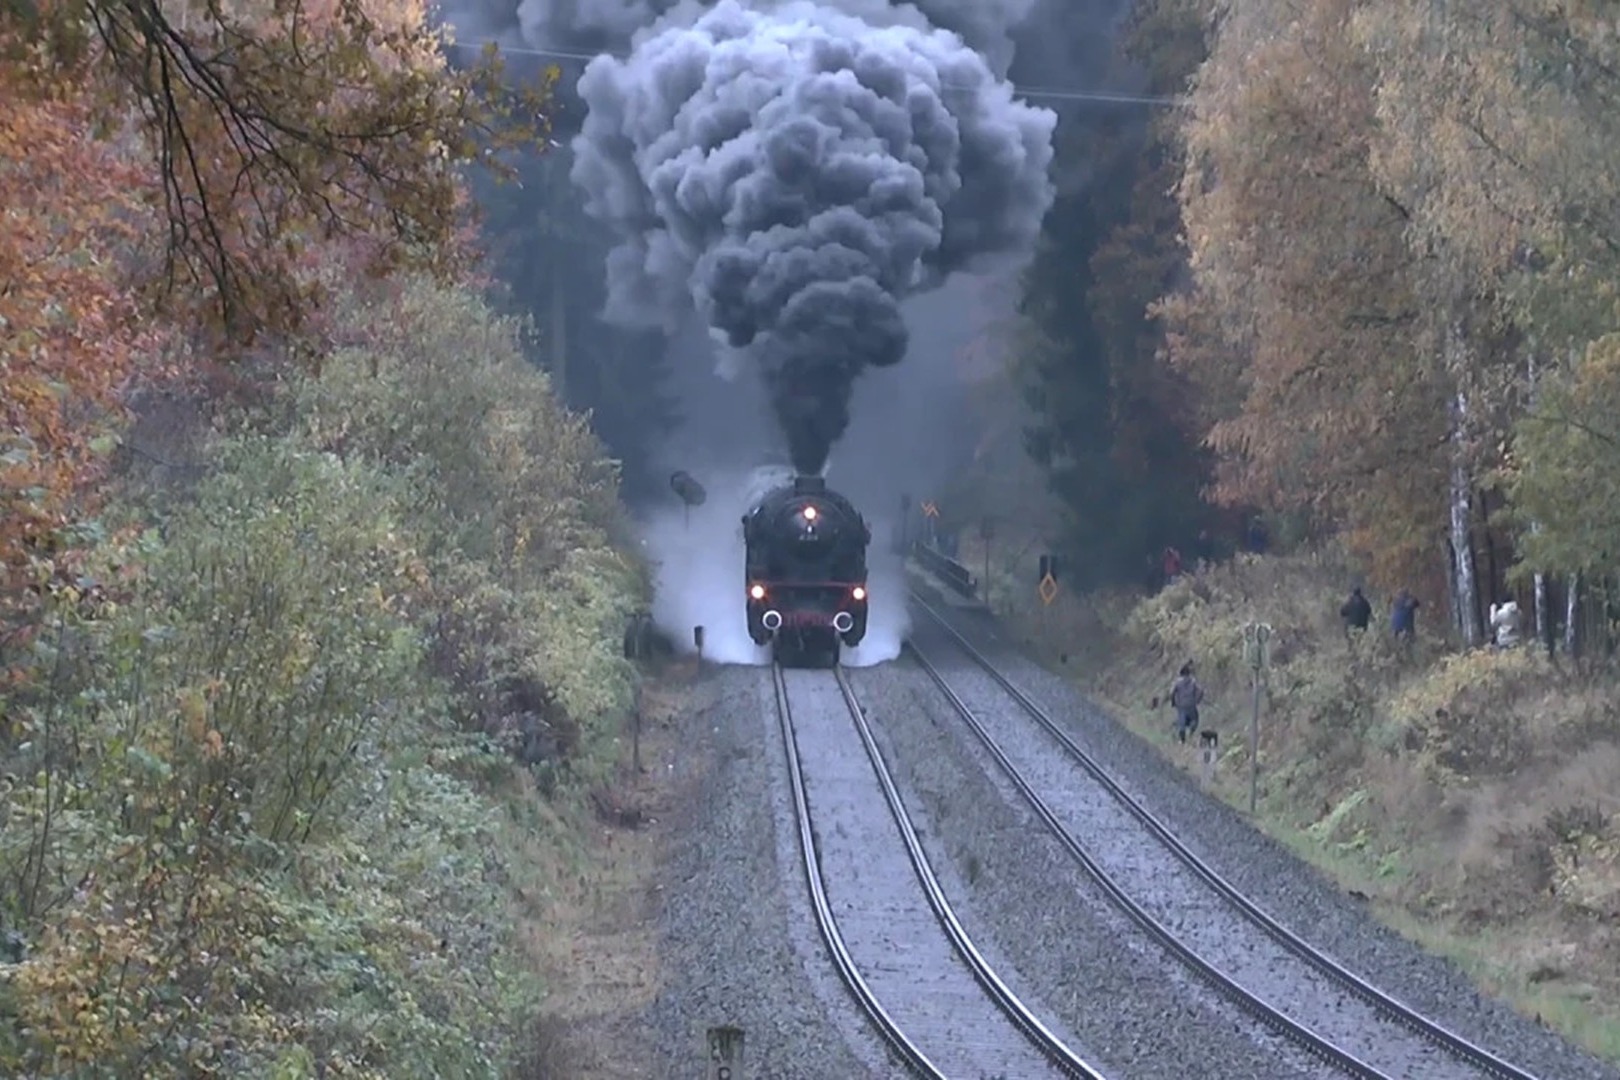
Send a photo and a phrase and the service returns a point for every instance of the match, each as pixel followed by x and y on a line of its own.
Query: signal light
pixel 858 592
pixel 757 592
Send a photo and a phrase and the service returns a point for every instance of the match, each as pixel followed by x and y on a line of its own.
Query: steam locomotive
pixel 806 572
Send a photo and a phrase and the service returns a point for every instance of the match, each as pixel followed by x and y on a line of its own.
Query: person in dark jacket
pixel 1403 615
pixel 1259 539
pixel 1356 612
pixel 1185 697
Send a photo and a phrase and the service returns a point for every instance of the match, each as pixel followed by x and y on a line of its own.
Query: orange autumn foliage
pixel 281 128
pixel 69 340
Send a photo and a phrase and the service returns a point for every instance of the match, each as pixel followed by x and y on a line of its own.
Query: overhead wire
pixel 1034 92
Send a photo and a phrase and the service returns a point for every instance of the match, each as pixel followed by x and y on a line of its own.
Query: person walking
pixel 1171 564
pixel 1505 624
pixel 1403 615
pixel 1356 612
pixel 1185 697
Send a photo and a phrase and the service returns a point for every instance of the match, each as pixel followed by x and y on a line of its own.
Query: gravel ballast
pixel 883 914
pixel 1040 922
pixel 1173 894
pixel 1291 890
pixel 739 944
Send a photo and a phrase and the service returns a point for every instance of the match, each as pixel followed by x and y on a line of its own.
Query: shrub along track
pixel 885 941
pixel 1321 1005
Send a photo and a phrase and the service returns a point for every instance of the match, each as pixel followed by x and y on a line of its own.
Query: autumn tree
pixel 1499 129
pixel 1567 458
pixel 1498 126
pixel 275 128
pixel 190 164
pixel 69 338
pixel 1303 273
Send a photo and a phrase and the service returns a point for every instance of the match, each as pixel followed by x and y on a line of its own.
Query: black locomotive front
pixel 806 570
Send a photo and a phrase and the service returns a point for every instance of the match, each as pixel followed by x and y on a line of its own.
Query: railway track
pixel 900 949
pixel 1157 880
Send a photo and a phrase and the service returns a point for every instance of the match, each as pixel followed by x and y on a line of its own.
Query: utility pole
pixel 1257 650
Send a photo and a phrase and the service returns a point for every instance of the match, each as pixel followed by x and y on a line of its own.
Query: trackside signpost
pixel 1048 588
pixel 691 492
pixel 987 533
pixel 1257 651
pixel 930 511
pixel 726 1053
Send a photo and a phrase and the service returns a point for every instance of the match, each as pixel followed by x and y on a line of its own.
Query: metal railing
pixel 952 573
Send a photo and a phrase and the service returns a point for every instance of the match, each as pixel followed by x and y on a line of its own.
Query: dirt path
pixel 601 954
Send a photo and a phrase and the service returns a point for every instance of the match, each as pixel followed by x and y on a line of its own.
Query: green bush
pixel 515 507
pixel 231 848
pixel 253 822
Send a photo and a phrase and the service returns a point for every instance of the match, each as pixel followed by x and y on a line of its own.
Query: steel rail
pixel 1230 988
pixel 1070 1063
pixel 915 1060
pixel 1382 1002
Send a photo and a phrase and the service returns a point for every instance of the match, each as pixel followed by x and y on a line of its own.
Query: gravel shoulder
pixel 1294 892
pixel 688 910
pixel 1085 968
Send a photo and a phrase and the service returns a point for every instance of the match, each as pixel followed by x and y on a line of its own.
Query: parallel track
pixel 1455 1045
pixel 909 1053
pixel 1029 1030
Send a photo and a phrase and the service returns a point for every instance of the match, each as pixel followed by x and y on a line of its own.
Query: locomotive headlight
pixel 809 513
pixel 757 592
pixel 858 592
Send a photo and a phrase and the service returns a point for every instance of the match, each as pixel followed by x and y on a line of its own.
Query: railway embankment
pixel 1463 799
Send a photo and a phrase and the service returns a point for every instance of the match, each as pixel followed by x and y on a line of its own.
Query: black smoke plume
pixel 793 170
pixel 608 25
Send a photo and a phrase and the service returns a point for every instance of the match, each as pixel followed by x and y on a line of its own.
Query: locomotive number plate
pixel 807 618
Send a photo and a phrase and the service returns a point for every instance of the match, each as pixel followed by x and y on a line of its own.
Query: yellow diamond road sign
pixel 1048 589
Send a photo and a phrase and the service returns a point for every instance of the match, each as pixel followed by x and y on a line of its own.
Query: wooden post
pixel 635 732
pixel 1210 746
pixel 1257 650
pixel 987 532
pixel 1254 745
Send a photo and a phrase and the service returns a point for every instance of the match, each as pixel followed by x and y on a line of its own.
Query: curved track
pixel 1457 1056
pixel 947 1012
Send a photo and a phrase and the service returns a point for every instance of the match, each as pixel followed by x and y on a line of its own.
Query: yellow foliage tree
pixel 1500 127
pixel 1308 307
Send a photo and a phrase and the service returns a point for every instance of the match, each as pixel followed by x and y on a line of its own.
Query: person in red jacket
pixel 1172 564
